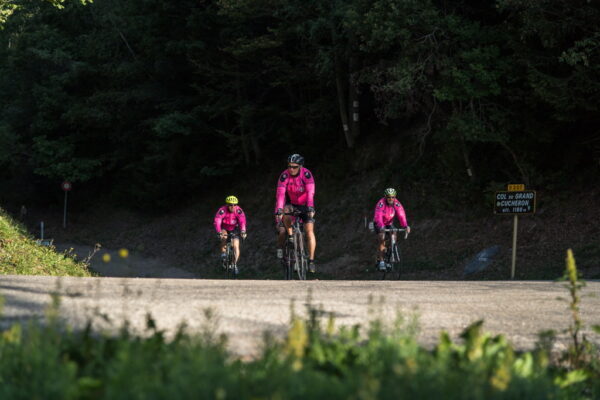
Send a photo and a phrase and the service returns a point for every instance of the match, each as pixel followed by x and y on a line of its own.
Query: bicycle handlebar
pixel 231 235
pixel 395 230
pixel 294 213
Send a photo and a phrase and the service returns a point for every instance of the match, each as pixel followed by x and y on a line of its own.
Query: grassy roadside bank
pixel 21 255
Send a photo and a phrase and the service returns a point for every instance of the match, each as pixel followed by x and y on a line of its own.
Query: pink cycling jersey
pixel 224 219
pixel 298 190
pixel 384 213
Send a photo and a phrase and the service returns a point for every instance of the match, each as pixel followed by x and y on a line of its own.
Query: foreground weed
pixel 582 355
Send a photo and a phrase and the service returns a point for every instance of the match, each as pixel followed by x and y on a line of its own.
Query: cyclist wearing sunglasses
pixel 230 220
pixel 296 191
pixel 386 209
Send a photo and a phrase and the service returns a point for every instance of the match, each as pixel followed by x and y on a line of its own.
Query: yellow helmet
pixel 231 200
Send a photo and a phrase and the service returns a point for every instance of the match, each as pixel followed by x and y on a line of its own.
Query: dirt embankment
pixel 440 246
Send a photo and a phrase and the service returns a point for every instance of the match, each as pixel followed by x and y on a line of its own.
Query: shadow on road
pixel 108 262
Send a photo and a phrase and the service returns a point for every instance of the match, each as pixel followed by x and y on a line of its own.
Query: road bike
pixel 295 260
pixel 392 257
pixel 228 261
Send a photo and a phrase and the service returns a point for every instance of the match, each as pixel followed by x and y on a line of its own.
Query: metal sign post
pixel 66 187
pixel 515 201
pixel 514 247
pixel 41 241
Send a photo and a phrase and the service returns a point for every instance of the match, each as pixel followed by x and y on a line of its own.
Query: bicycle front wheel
pixel 301 259
pixel 398 261
pixel 388 258
pixel 288 261
pixel 392 263
pixel 230 257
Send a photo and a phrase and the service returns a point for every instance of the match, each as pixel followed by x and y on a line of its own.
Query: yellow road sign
pixel 516 187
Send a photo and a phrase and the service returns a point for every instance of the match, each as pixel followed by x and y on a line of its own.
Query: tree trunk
pixel 341 94
pixel 467 159
pixel 353 102
pixel 245 147
pixel 243 137
pixel 256 149
pixel 517 163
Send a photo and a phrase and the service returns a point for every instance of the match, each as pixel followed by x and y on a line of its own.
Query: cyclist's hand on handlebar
pixel 407 229
pixel 243 234
pixel 279 214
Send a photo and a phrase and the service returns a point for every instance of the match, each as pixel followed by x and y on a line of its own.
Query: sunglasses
pixel 390 197
pixel 293 166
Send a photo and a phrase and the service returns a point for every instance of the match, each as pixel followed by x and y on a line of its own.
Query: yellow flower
pixel 106 257
pixel 123 253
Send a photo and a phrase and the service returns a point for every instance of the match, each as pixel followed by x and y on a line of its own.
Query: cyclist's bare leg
pixel 236 249
pixel 380 246
pixel 280 237
pixel 309 229
pixel 223 240
pixel 287 219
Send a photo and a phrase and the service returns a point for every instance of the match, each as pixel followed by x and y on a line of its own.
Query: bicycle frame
pixel 295 259
pixel 230 256
pixel 392 258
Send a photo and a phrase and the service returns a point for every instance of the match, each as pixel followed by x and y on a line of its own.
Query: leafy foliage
pixel 316 362
pixel 174 97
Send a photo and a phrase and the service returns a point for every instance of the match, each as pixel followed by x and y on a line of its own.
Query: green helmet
pixel 390 192
pixel 231 200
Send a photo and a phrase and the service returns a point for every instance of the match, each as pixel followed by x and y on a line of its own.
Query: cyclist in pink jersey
pixel 230 220
pixel 386 209
pixel 296 191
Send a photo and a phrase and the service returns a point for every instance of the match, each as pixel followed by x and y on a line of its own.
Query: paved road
pixel 245 309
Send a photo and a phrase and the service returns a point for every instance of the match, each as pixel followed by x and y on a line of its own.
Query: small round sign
pixel 66 186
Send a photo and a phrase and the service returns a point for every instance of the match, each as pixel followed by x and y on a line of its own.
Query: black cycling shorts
pixel 303 213
pixel 235 233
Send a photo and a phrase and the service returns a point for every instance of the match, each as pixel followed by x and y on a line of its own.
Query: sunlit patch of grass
pixel 21 255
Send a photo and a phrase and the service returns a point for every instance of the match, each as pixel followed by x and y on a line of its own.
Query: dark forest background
pixel 144 102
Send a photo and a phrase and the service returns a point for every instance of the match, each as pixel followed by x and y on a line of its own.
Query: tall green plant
pixel 581 352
